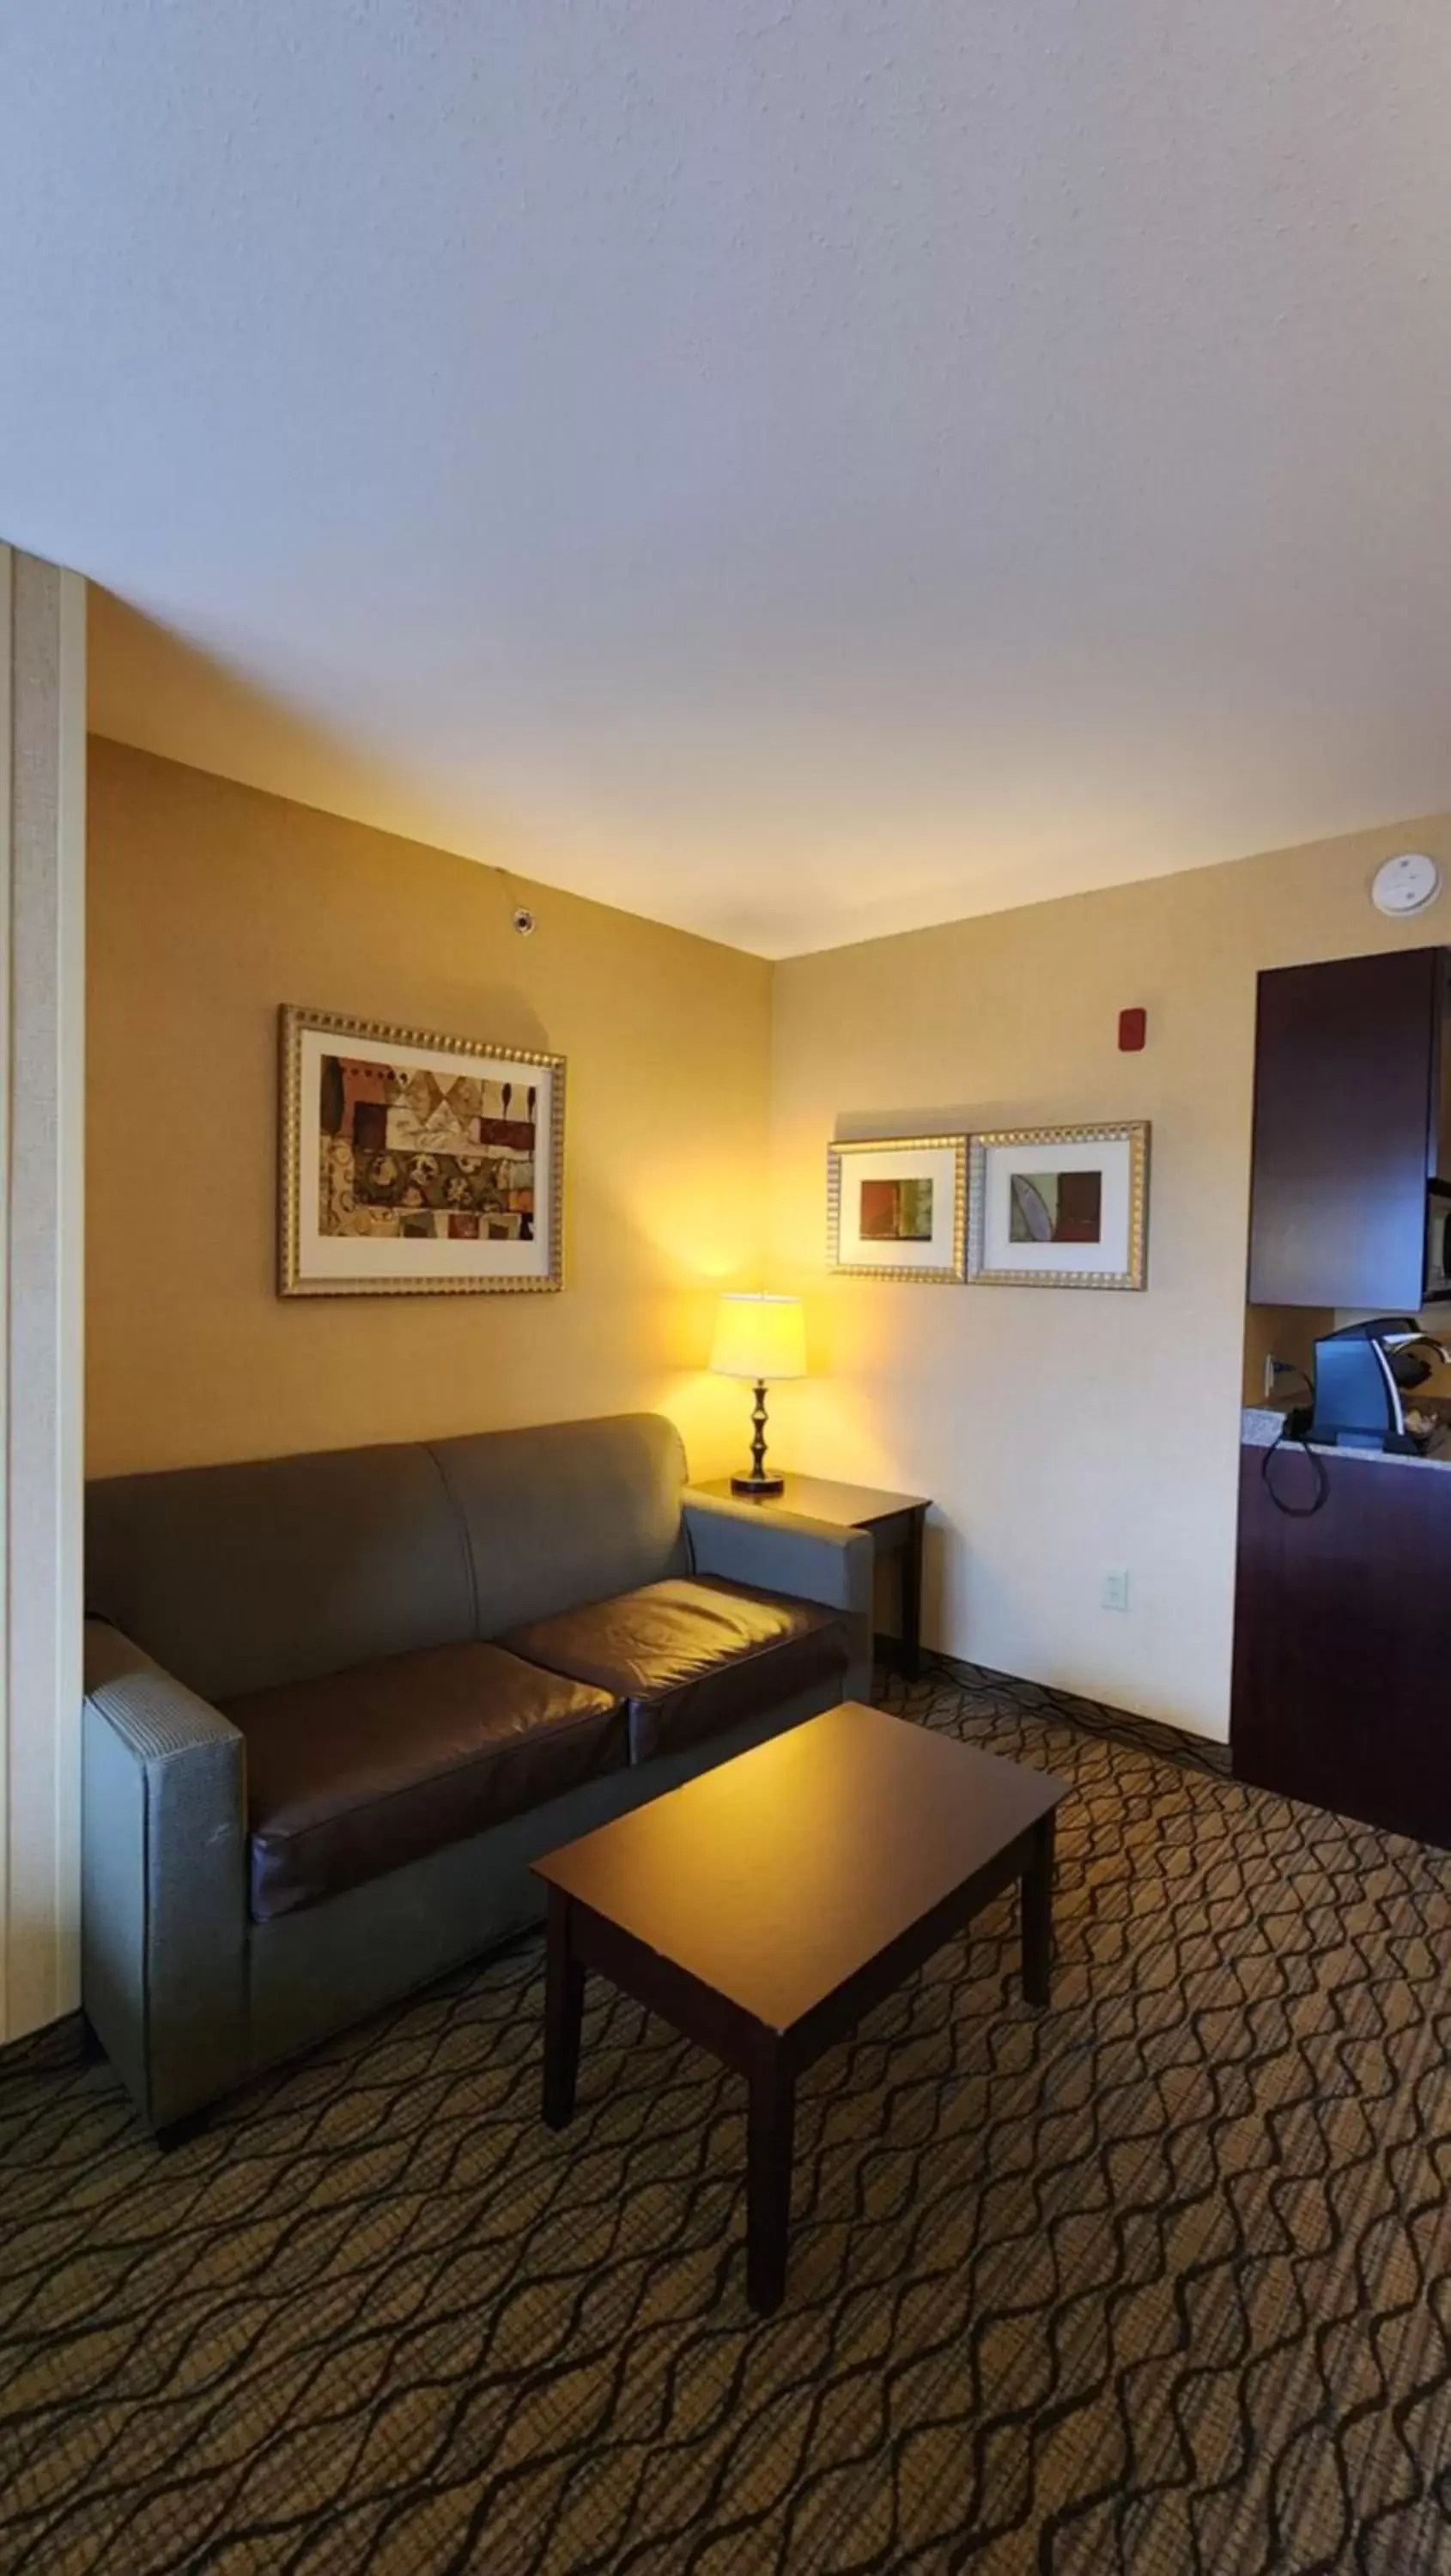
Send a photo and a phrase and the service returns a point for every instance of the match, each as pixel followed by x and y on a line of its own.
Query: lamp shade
pixel 760 1337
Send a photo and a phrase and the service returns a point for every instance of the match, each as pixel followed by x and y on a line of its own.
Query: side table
pixel 895 1522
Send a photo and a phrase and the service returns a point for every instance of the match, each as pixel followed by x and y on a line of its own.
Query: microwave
pixel 1438 1242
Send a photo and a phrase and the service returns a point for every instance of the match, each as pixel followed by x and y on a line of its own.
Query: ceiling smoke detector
pixel 1406 885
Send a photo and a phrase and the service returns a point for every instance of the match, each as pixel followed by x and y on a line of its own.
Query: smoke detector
pixel 1406 885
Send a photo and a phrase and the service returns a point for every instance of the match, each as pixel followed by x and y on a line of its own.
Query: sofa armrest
pixel 163 1880
pixel 814 1560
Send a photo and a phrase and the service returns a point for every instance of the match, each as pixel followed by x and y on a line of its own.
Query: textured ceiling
pixel 794 470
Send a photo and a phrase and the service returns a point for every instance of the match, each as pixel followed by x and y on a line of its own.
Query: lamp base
pixel 760 1481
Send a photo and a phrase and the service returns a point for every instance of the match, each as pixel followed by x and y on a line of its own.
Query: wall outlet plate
pixel 1115 1593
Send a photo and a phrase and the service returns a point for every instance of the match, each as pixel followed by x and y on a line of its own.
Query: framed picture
pixel 413 1163
pixel 1060 1207
pixel 896 1208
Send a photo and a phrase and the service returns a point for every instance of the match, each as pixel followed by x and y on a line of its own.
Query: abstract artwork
pixel 1060 1207
pixel 1055 1207
pixel 896 1211
pixel 896 1207
pixel 413 1163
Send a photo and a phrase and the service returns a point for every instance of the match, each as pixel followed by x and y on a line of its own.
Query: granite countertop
pixel 1261 1425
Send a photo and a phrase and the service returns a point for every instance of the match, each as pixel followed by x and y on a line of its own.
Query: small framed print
pixel 1059 1207
pixel 896 1208
pixel 413 1164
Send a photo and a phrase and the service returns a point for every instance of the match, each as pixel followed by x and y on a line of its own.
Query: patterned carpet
pixel 1156 2282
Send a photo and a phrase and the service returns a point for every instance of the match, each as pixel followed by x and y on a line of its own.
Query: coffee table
pixel 766 1906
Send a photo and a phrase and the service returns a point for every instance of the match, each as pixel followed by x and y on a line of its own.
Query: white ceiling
pixel 794 470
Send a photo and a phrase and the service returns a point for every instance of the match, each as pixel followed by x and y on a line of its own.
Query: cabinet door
pixel 1441 1076
pixel 1347 1083
pixel 1340 1640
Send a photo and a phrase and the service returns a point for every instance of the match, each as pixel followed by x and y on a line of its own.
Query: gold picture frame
pixel 1120 1206
pixel 847 1244
pixel 317 1257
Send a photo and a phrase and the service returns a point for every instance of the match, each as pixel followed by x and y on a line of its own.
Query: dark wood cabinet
pixel 1352 1115
pixel 1340 1683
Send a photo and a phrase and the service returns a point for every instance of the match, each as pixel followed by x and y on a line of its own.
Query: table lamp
pixel 760 1338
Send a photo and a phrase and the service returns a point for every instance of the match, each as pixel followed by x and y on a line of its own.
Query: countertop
pixel 1261 1425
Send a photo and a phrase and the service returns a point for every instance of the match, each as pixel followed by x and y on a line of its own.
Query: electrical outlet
pixel 1272 1370
pixel 1115 1593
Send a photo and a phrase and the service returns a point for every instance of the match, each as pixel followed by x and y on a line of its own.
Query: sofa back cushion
pixel 240 1578
pixel 567 1513
pixel 280 1570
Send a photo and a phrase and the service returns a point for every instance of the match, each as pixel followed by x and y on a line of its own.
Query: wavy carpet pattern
pixel 1156 2281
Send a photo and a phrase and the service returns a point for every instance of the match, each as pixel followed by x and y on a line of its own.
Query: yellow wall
pixel 1062 1433
pixel 209 904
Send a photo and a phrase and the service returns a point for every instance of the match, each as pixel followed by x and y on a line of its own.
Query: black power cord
pixel 1295 1511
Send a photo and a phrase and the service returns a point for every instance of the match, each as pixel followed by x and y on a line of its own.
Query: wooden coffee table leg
pixel 771 2123
pixel 563 2013
pixel 1036 1905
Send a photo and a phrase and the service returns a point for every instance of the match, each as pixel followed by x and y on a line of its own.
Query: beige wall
pixel 209 905
pixel 1062 1434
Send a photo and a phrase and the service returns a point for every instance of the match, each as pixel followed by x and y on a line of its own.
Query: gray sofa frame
pixel 210 1582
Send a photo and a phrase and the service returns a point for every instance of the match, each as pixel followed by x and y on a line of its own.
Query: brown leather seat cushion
pixel 355 1775
pixel 689 1656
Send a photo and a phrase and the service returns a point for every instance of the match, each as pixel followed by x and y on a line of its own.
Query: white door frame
pixel 42 1179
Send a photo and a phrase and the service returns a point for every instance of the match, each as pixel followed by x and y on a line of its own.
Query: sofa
pixel 337 1704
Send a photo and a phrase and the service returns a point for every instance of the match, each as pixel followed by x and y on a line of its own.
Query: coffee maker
pixel 1362 1375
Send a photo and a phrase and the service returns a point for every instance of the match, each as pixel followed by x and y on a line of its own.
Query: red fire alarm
pixel 1133 1029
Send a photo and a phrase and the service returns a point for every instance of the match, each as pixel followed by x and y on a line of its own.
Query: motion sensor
pixel 524 922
